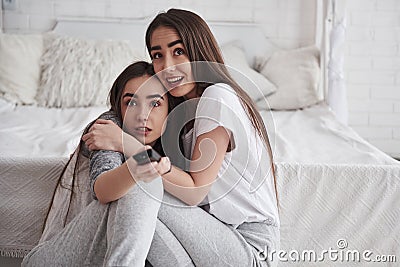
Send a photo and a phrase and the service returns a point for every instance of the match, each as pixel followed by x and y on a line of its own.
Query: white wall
pixel 372 71
pixel 290 21
pixel 372 59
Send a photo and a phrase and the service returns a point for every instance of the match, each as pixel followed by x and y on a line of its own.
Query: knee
pixel 171 200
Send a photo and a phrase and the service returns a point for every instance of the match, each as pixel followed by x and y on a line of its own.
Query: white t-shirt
pixel 244 189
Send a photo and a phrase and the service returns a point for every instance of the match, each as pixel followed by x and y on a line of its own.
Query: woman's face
pixel 167 52
pixel 144 109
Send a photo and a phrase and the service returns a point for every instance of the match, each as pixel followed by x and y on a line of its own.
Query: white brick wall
pixel 288 22
pixel 373 71
pixel 372 60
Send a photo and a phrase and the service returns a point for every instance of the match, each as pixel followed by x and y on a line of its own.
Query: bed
pixel 335 189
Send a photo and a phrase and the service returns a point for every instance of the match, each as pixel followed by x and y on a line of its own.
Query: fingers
pixel 95 127
pixel 102 121
pixel 163 166
pixel 90 141
pixel 99 123
pixel 146 172
pixel 86 137
pixel 91 145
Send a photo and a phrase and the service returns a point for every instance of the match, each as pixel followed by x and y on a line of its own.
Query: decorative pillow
pixel 20 69
pixel 296 74
pixel 256 85
pixel 80 72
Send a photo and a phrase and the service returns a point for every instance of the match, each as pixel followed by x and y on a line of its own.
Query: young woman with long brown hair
pixel 221 203
pixel 116 230
pixel 230 173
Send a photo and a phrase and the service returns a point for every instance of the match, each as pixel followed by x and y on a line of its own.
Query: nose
pixel 142 117
pixel 169 64
pixel 143 114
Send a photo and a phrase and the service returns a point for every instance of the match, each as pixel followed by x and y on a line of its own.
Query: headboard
pixel 251 36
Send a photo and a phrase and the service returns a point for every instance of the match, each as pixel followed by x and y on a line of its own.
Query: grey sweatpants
pixel 207 240
pixel 124 232
pixel 116 234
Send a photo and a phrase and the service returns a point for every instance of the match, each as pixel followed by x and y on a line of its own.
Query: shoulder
pixel 220 93
pixel 219 90
pixel 112 116
pixel 107 115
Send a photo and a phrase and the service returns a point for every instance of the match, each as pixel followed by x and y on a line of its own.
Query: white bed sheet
pixel 30 131
pixel 313 135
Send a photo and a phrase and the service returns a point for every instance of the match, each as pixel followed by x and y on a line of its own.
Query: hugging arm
pixel 208 153
pixel 115 181
pixel 106 135
pixel 104 139
pixel 192 187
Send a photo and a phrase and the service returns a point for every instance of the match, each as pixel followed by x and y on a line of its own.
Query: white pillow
pixel 19 66
pixel 296 73
pixel 256 85
pixel 80 72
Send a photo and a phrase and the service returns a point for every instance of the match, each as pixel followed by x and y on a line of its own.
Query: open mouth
pixel 142 130
pixel 174 81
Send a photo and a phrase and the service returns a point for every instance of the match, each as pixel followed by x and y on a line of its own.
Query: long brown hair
pixel 201 45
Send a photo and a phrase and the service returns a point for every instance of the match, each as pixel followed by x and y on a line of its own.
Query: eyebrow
pixel 171 44
pixel 148 97
pixel 130 95
pixel 155 96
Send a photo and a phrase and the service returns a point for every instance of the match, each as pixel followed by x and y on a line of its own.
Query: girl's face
pixel 168 54
pixel 144 109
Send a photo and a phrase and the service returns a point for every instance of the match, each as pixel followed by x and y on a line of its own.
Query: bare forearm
pixel 113 184
pixel 181 185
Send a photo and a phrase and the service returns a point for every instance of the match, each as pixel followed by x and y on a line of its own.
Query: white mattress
pixel 29 131
pixel 313 135
pixel 310 135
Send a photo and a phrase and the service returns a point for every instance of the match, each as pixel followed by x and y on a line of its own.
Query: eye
pixel 179 51
pixel 131 103
pixel 156 55
pixel 155 103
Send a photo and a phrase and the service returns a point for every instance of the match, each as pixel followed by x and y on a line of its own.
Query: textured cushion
pixel 255 84
pixel 80 72
pixel 296 74
pixel 19 66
